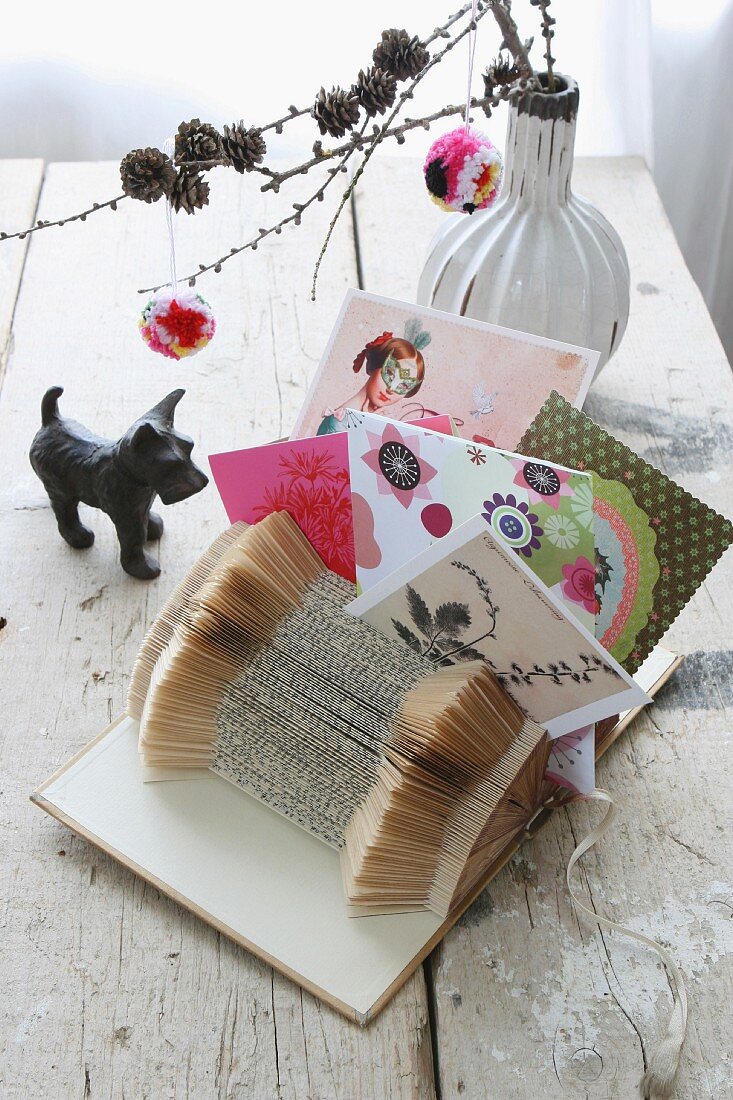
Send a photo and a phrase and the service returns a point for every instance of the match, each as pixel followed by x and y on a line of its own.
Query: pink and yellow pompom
pixel 177 323
pixel 463 171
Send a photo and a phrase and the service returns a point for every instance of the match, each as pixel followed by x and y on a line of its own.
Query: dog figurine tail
pixel 49 404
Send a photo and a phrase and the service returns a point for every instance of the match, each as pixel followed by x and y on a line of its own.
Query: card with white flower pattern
pixel 411 486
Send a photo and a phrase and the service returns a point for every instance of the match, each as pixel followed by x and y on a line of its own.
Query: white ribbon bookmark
pixel 659 1080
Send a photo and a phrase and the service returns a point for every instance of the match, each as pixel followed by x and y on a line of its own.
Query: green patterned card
pixel 655 542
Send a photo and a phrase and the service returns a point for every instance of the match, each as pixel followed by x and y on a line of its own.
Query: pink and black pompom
pixel 463 171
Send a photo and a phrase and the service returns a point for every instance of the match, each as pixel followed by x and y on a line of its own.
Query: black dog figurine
pixel 121 478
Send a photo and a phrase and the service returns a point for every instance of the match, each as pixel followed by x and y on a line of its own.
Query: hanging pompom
pixel 177 322
pixel 463 171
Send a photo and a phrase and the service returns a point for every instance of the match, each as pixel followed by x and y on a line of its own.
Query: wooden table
pixel 109 989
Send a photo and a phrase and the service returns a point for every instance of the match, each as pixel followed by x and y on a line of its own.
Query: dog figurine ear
pixel 164 411
pixel 142 435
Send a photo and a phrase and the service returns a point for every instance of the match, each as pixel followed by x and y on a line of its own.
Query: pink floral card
pixel 309 478
pixel 407 361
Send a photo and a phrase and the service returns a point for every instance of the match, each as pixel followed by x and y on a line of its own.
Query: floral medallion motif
pixel 514 523
pixel 399 465
pixel 579 583
pixel 627 568
pixel 396 461
pixel 477 456
pixel 542 483
pixel 566 765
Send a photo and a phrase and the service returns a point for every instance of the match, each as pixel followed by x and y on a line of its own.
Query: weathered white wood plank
pixel 110 989
pixel 20 186
pixel 529 1001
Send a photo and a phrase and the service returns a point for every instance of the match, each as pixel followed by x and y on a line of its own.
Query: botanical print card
pixel 407 361
pixel 469 597
pixel 411 486
pixel 655 543
pixel 309 478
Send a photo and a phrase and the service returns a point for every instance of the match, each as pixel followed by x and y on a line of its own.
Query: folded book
pixel 413 773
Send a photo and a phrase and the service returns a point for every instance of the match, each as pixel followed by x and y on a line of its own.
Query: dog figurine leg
pixel 155 527
pixel 70 526
pixel 132 534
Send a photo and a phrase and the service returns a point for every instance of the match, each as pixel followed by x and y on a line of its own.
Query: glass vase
pixel 542 260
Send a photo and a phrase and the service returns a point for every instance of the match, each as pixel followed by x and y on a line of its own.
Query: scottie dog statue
pixel 121 478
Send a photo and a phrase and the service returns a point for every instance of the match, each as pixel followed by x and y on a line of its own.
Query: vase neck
pixel 540 145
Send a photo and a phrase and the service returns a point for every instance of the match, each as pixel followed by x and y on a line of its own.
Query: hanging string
pixel 663 1063
pixel 471 55
pixel 169 149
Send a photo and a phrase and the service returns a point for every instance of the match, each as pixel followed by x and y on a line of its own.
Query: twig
pixel 548 22
pixel 442 31
pixel 80 217
pixel 356 142
pixel 348 150
pixel 277 125
pixel 407 94
pixel 510 37
pixel 293 219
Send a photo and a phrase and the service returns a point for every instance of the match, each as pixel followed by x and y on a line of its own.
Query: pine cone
pixel 500 73
pixel 190 191
pixel 336 111
pixel 197 140
pixel 400 55
pixel 243 147
pixel 147 174
pixel 376 91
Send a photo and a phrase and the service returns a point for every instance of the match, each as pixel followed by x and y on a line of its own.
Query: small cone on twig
pixel 376 91
pixel 197 141
pixel 243 146
pixel 399 54
pixel 147 174
pixel 336 111
pixel 190 191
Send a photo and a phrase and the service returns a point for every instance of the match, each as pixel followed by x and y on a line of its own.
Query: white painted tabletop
pixel 109 989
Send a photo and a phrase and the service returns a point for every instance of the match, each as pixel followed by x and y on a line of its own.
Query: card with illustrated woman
pixel 407 362
pixel 393 369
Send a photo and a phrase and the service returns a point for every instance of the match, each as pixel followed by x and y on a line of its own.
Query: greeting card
pixel 544 513
pixel 411 486
pixel 406 361
pixel 469 597
pixel 655 542
pixel 309 478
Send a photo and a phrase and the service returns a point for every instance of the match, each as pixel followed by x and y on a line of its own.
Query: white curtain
pixel 655 76
pixel 692 51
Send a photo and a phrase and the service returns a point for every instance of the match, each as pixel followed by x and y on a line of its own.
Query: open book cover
pixel 253 875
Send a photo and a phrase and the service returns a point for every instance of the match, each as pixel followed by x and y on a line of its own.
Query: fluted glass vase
pixel 542 260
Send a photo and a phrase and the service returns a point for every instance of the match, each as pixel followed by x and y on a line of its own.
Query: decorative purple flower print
pixel 514 523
